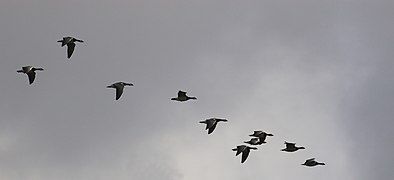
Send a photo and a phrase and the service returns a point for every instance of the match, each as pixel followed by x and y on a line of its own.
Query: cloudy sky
pixel 318 73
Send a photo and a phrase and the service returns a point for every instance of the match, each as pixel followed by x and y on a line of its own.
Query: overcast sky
pixel 318 73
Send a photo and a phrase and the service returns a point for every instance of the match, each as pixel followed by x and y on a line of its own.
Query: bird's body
pixel 119 86
pixel 261 135
pixel 30 71
pixel 245 150
pixel 182 97
pixel 290 147
pixel 254 141
pixel 311 162
pixel 211 123
pixel 70 42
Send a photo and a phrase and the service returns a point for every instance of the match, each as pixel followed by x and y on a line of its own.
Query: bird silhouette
pixel 290 147
pixel 311 162
pixel 211 123
pixel 245 150
pixel 182 97
pixel 261 135
pixel 30 71
pixel 254 141
pixel 119 86
pixel 70 42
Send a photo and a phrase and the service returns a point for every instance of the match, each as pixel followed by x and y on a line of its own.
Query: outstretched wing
pixel 312 159
pixel 245 155
pixel 181 94
pixel 256 133
pixel 290 145
pixel 27 68
pixel 210 123
pixel 70 49
pixel 119 91
pixel 210 130
pixel 254 141
pixel 262 138
pixel 240 149
pixel 32 76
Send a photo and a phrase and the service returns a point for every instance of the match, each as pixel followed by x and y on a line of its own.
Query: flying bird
pixel 261 135
pixel 311 162
pixel 119 86
pixel 70 42
pixel 182 97
pixel 211 123
pixel 254 141
pixel 30 71
pixel 290 147
pixel 245 150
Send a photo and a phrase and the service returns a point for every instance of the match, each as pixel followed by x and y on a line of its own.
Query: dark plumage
pixel 119 86
pixel 261 135
pixel 254 141
pixel 30 71
pixel 182 97
pixel 211 123
pixel 245 150
pixel 70 42
pixel 311 162
pixel 290 147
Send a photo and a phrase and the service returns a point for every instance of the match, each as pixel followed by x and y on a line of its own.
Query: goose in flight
pixel 254 141
pixel 119 86
pixel 261 135
pixel 70 42
pixel 182 97
pixel 30 71
pixel 311 162
pixel 211 123
pixel 290 147
pixel 245 150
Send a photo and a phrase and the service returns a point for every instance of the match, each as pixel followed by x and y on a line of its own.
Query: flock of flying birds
pixel 259 137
